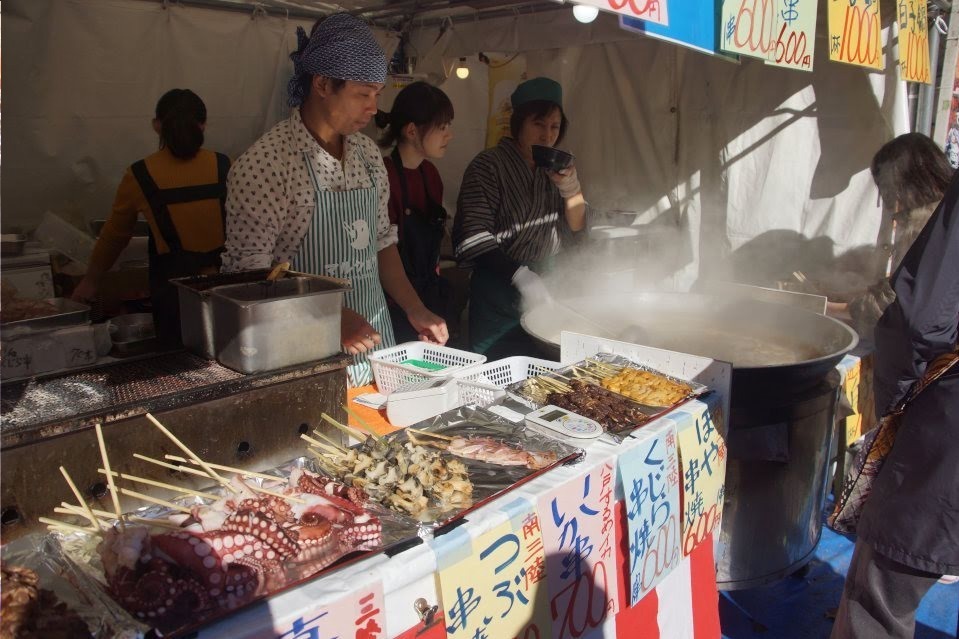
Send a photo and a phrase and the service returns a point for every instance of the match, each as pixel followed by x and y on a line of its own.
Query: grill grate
pixel 29 402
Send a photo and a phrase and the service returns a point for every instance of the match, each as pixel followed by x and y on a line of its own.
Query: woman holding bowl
pixel 513 217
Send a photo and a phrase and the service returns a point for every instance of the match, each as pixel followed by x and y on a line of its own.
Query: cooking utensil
pixel 277 271
pixel 68 313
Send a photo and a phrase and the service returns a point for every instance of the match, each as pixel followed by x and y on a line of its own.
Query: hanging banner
pixel 579 536
pixel 913 41
pixel 698 28
pixel 649 473
pixel 650 10
pixel 854 33
pixel 702 453
pixel 505 74
pixel 359 615
pixel 781 32
pixel 498 589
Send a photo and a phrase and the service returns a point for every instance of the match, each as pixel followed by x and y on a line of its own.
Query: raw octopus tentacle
pixel 262 527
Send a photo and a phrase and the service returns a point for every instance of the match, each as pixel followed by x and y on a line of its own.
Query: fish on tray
pixel 485 449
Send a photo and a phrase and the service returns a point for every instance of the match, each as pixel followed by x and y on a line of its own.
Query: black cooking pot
pixel 773 348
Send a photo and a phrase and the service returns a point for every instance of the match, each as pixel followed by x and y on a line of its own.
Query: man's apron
pixel 341 242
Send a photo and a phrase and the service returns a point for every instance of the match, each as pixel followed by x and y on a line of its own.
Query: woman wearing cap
pixel 180 191
pixel 419 127
pixel 513 217
pixel 313 191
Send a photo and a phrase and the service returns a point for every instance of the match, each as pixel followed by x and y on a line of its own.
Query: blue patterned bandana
pixel 341 47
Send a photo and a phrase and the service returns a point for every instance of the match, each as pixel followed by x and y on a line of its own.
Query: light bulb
pixel 585 13
pixel 462 71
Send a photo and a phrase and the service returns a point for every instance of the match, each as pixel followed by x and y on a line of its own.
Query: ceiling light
pixel 585 13
pixel 462 71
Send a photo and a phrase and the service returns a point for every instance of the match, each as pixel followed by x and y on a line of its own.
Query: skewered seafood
pixel 485 449
pixel 646 387
pixel 612 411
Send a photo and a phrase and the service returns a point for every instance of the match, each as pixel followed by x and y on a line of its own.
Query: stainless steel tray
pixel 69 313
pixel 262 326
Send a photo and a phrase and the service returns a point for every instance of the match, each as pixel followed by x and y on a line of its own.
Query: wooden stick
pixel 346 429
pixel 160 484
pixel 362 422
pixel 76 510
pixel 106 464
pixel 54 524
pixel 159 523
pixel 79 513
pixel 154 500
pixel 185 469
pixel 429 434
pixel 257 489
pixel 320 445
pixel 88 513
pixel 189 453
pixel 229 469
pixel 329 440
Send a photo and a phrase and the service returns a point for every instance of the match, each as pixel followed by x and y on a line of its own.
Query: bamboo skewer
pixel 154 500
pixel 352 432
pixel 362 422
pixel 110 482
pixel 54 524
pixel 159 484
pixel 320 445
pixel 229 469
pixel 272 493
pixel 185 469
pixel 88 513
pixel 189 453
pixel 159 523
pixel 429 434
pixel 76 510
pixel 329 440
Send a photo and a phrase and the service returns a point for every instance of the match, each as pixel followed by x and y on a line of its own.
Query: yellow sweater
pixel 199 224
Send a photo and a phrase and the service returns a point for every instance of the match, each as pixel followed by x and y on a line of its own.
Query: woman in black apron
pixel 180 190
pixel 420 127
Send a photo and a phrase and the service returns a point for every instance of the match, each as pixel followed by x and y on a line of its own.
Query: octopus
pixel 236 549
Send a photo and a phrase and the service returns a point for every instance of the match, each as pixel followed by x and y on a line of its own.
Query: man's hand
pixel 567 181
pixel 86 290
pixel 356 334
pixel 431 327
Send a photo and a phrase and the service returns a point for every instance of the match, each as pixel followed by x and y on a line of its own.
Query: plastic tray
pixel 487 383
pixel 390 371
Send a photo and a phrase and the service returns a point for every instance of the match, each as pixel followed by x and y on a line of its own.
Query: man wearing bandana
pixel 314 192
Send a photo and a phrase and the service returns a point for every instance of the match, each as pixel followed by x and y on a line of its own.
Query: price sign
pixel 499 589
pixel 650 476
pixel 854 33
pixel 359 615
pixel 781 32
pixel 913 41
pixel 650 10
pixel 579 537
pixel 702 451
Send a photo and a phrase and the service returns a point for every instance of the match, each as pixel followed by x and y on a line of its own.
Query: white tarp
pixel 709 153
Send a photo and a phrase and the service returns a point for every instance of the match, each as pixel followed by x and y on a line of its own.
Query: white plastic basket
pixel 485 384
pixel 390 372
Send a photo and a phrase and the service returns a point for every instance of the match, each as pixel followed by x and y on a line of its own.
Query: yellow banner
pixel 499 589
pixel 854 33
pixel 913 41
pixel 702 454
pixel 505 74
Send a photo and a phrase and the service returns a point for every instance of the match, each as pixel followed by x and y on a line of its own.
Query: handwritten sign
pixel 696 30
pixel 580 541
pixel 913 41
pixel 650 476
pixel 499 589
pixel 359 615
pixel 854 33
pixel 781 32
pixel 649 10
pixel 702 451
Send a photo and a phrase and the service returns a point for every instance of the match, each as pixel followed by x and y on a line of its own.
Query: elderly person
pixel 513 218
pixel 313 191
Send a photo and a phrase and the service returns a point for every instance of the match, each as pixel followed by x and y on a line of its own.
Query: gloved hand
pixel 567 181
pixel 531 287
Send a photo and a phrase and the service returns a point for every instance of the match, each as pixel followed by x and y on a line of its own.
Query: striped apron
pixel 341 242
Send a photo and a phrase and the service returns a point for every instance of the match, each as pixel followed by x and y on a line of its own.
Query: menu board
pixel 913 41
pixel 655 11
pixel 781 32
pixel 702 452
pixel 579 536
pixel 359 614
pixel 854 33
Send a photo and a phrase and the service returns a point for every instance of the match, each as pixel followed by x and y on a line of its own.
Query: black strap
pixel 160 199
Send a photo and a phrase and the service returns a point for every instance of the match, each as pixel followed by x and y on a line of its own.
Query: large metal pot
pixel 781 409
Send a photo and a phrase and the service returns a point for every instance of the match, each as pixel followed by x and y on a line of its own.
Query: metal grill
pixel 32 401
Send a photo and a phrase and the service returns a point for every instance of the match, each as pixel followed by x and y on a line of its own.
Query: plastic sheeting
pixel 712 158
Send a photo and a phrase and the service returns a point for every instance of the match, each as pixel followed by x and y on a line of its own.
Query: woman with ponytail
pixel 180 190
pixel 418 128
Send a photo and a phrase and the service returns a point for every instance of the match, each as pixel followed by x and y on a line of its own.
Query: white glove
pixel 531 287
pixel 567 181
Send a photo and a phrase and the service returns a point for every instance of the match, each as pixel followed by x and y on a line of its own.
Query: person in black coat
pixel 908 535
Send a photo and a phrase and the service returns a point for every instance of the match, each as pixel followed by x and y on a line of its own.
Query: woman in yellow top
pixel 180 190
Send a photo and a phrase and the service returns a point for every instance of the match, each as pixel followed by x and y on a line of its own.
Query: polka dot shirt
pixel 271 198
